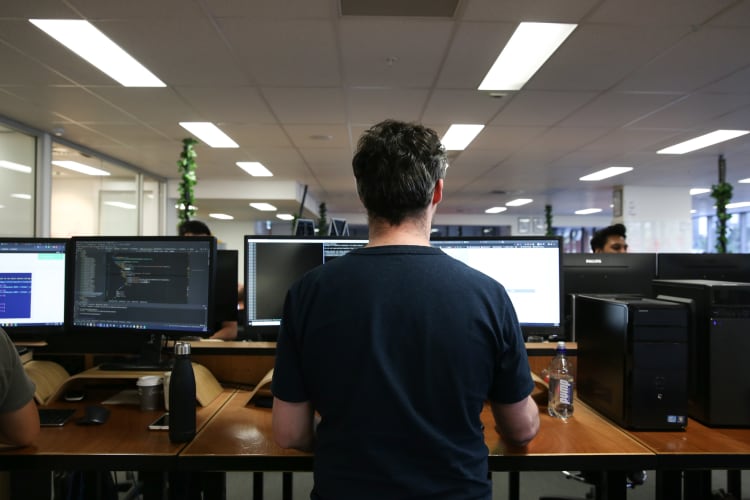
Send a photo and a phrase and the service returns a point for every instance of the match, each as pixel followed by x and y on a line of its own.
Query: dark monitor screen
pixel 225 290
pixel 32 286
pixel 160 285
pixel 707 266
pixel 272 265
pixel 528 268
pixel 609 273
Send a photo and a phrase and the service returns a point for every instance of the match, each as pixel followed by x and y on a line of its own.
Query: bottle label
pixel 566 392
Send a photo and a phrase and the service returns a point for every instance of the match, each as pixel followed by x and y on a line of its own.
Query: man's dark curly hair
pixel 600 237
pixel 194 227
pixel 397 165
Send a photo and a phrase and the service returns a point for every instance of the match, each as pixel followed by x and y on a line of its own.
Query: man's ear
pixel 437 195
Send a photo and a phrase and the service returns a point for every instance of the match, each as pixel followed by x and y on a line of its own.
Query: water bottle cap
pixel 561 345
pixel 181 348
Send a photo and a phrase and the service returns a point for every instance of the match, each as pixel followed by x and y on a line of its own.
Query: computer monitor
pixel 529 269
pixel 225 288
pixel 707 266
pixel 151 285
pixel 272 265
pixel 32 286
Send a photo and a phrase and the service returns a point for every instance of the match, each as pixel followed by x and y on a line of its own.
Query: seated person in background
pixel 610 239
pixel 226 328
pixel 19 418
pixel 387 355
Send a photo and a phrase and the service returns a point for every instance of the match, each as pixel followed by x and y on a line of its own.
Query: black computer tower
pixel 718 348
pixel 633 359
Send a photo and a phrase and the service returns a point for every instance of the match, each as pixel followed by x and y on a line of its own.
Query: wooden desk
pixel 699 448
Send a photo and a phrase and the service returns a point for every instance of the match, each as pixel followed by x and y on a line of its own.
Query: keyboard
pixel 135 367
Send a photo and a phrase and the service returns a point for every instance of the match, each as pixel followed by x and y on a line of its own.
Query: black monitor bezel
pixel 169 333
pixel 528 329
pixel 708 266
pixel 270 332
pixel 38 332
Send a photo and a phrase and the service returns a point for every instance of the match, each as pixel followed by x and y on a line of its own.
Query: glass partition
pixel 17 174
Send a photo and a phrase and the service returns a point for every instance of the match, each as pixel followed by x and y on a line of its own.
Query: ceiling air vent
pixel 399 8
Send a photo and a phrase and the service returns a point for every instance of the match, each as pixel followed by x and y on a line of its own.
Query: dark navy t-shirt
pixel 398 348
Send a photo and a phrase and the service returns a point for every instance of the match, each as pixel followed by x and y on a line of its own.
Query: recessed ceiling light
pixel 528 48
pixel 209 134
pixel 702 141
pixel 120 204
pixel 79 167
pixel 744 181
pixel 263 207
pixel 739 204
pixel 459 136
pixel 495 210
pixel 254 168
pixel 696 191
pixel 15 166
pixel 519 202
pixel 95 47
pixel 285 216
pixel 221 216
pixel 21 196
pixel 181 206
pixel 587 211
pixel 605 173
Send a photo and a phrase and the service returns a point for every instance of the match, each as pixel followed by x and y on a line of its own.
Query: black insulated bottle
pixel 182 396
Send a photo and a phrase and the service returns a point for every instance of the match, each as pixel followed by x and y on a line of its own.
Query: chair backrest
pixel 48 377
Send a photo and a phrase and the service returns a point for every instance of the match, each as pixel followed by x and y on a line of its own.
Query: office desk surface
pixel 698 446
pixel 240 438
pixel 124 442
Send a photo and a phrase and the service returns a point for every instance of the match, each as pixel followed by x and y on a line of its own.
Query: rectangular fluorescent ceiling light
pixel 695 191
pixel 459 136
pixel 529 47
pixel 495 210
pixel 79 167
pixel 21 196
pixel 210 134
pixel 285 216
pixel 588 211
pixel 254 168
pixel 15 166
pixel 702 141
pixel 96 48
pixel 519 202
pixel 739 204
pixel 221 216
pixel 744 181
pixel 263 207
pixel 605 174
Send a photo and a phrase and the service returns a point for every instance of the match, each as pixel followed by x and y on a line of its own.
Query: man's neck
pixel 409 232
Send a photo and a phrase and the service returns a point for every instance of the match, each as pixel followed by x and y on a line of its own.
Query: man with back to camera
pixel 396 346
pixel 610 239
pixel 227 328
pixel 19 417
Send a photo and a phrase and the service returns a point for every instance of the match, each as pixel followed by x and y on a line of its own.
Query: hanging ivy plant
pixel 722 193
pixel 187 167
pixel 322 219
pixel 548 220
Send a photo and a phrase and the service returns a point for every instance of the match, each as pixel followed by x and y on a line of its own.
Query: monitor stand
pixel 150 358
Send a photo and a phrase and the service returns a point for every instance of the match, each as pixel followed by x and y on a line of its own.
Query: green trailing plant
pixel 323 219
pixel 548 220
pixel 722 193
pixel 188 178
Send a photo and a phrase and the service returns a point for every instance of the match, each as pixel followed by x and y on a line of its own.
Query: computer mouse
pixel 94 415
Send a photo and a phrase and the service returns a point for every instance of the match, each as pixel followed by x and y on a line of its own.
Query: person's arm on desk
pixel 294 424
pixel 19 418
pixel 228 331
pixel 517 423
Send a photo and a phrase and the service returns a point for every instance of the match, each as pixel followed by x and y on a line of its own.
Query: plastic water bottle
pixel 182 396
pixel 561 384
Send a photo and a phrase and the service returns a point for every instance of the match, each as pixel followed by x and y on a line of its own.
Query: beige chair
pixel 48 376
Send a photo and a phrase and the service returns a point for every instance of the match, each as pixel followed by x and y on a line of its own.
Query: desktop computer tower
pixel 633 359
pixel 718 348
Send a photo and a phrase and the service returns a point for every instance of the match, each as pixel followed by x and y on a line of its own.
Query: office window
pixel 17 174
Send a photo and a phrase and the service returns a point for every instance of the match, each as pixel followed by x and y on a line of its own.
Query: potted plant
pixel 548 220
pixel 722 193
pixel 187 167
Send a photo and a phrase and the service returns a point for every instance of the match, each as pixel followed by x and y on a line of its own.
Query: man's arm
pixel 294 424
pixel 517 423
pixel 20 427
pixel 228 331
